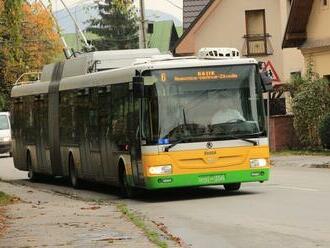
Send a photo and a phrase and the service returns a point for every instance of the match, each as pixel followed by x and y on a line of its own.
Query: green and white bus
pixel 137 119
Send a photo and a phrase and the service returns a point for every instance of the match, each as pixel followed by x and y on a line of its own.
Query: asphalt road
pixel 291 210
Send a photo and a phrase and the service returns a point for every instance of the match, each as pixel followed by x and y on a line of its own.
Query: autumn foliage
pixel 28 40
pixel 40 38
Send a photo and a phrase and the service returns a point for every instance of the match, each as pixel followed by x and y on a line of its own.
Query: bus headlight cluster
pixel 257 163
pixel 6 139
pixel 160 170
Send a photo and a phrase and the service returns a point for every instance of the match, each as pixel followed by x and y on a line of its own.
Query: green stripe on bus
pixel 214 178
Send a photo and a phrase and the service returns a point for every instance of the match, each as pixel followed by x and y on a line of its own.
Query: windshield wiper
pixel 167 149
pixel 255 143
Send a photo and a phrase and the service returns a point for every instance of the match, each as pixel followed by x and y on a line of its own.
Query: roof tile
pixel 191 9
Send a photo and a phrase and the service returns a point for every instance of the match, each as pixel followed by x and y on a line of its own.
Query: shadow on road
pixel 62 186
pixel 182 194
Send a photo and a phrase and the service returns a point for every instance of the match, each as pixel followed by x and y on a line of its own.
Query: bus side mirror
pixel 138 87
pixel 267 81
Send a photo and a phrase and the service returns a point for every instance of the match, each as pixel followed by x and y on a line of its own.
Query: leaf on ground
pixel 15 199
pixel 91 208
pixel 164 229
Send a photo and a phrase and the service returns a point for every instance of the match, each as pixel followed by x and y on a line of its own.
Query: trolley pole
pixel 76 25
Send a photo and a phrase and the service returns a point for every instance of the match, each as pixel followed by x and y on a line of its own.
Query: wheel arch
pixel 73 153
pixel 27 156
pixel 124 163
pixel 30 152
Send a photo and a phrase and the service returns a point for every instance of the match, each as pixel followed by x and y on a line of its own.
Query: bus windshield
pixel 213 103
pixel 4 124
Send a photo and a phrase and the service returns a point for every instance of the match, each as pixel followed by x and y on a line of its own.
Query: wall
pixel 282 133
pixel 320 60
pixel 317 47
pixel 318 24
pixel 225 26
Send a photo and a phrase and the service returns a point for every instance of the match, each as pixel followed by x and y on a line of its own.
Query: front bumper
pixel 204 179
pixel 5 147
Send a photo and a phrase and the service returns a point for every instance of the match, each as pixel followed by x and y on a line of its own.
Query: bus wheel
pixel 232 186
pixel 126 190
pixel 32 175
pixel 74 180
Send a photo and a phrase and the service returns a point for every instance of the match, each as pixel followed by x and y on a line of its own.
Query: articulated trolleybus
pixel 138 119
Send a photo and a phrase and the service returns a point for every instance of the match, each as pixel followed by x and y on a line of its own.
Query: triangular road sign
pixel 271 71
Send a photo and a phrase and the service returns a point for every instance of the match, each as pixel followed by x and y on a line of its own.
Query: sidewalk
pixel 44 219
pixel 301 161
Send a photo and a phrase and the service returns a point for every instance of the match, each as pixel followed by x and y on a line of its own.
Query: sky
pixel 174 9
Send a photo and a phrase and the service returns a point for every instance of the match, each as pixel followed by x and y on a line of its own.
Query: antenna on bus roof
pixel 88 46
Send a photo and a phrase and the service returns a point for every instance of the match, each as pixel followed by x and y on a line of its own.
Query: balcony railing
pixel 257 45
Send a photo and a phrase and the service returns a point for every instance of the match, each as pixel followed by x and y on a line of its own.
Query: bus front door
pixel 136 157
pixel 40 120
pixel 92 139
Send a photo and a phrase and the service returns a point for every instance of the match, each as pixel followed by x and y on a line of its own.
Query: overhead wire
pixel 174 4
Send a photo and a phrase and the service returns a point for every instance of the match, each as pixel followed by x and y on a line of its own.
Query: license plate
pixel 211 179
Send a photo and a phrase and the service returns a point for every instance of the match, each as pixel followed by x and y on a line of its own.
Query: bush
pixel 325 131
pixel 310 103
pixel 2 103
pixel 309 106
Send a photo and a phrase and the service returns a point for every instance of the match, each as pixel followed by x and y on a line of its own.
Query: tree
pixel 11 40
pixel 117 25
pixel 28 40
pixel 41 41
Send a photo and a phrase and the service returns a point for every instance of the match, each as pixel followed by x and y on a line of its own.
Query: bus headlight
pixel 6 139
pixel 256 163
pixel 160 170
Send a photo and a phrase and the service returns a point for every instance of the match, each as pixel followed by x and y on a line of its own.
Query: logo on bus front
pixel 209 145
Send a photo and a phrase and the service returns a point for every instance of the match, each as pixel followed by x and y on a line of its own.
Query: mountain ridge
pixel 83 13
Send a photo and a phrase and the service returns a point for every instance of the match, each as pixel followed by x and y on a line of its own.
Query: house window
pixel 325 4
pixel 295 74
pixel 256 36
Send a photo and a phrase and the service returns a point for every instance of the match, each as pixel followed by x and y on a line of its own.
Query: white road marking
pixel 297 188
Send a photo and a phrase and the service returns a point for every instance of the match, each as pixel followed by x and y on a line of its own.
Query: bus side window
pixel 81 99
pixel 93 111
pixel 29 131
pixel 104 104
pixel 65 117
pixel 120 108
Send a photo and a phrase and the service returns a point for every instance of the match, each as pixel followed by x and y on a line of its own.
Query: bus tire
pixel 126 190
pixel 32 175
pixel 74 180
pixel 232 187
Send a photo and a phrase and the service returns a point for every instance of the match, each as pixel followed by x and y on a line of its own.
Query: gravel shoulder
pixel 45 219
pixel 301 161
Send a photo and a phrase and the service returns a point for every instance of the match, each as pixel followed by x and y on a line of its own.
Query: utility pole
pixel 143 35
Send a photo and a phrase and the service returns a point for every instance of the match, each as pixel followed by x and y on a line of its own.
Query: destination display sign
pixel 206 75
pixel 195 75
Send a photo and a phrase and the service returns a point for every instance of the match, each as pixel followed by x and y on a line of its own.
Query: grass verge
pixel 4 199
pixel 152 235
pixel 302 152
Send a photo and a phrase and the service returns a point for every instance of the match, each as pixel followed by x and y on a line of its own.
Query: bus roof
pixel 125 74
